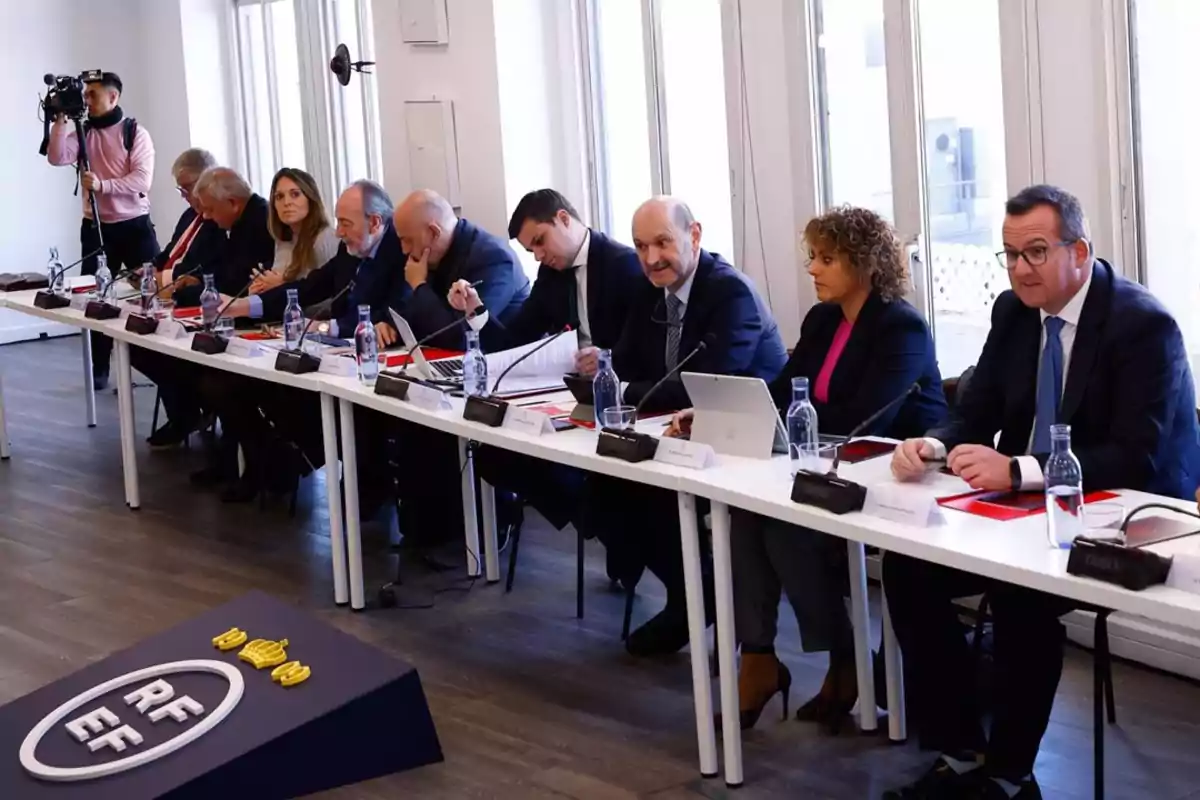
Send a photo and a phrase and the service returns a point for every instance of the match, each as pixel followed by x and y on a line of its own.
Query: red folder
pixel 431 353
pixel 1006 506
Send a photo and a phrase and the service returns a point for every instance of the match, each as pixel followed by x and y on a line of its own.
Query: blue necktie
pixel 1049 385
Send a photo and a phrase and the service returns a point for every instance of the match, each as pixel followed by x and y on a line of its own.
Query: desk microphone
pixel 100 308
pixel 395 384
pixel 144 322
pixel 49 299
pixel 626 443
pixel 827 490
pixel 490 410
pixel 298 362
pixel 208 341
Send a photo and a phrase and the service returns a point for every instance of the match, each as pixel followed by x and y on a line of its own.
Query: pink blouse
pixel 821 392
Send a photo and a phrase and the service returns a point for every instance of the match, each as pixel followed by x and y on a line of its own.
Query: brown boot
pixel 831 707
pixel 760 676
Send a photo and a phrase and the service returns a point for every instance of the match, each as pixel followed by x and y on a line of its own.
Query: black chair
pixel 514 546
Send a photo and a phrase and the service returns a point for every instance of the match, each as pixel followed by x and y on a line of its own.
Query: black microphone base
pixel 391 384
pixel 296 362
pixel 626 444
pixel 98 309
pixel 49 300
pixel 141 324
pixel 487 410
pixel 1130 567
pixel 209 343
pixel 829 492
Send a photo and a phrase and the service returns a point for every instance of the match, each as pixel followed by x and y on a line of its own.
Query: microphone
pixel 395 384
pixel 298 362
pixel 827 490
pixel 209 342
pixel 48 298
pixel 143 323
pixel 490 410
pixel 626 443
pixel 101 308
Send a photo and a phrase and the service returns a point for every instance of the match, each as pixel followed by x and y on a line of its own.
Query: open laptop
pixel 734 415
pixel 438 369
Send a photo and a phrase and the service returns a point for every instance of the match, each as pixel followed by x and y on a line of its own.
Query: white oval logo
pixel 29 747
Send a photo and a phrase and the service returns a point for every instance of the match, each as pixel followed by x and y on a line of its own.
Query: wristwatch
pixel 1014 473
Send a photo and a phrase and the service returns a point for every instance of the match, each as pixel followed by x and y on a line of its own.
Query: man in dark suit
pixel 691 296
pixel 585 281
pixel 1073 343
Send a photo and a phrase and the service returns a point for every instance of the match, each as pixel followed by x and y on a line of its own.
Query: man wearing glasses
pixel 1073 343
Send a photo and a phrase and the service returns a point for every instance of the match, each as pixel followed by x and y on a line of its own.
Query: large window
pixel 659 88
pixel 294 113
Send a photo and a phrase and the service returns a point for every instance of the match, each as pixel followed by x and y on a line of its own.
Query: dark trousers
pixel 128 245
pixel 428 481
pixel 554 490
pixel 938 664
pixel 178 384
pixel 771 557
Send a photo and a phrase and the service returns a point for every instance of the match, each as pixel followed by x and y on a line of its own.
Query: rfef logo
pixel 154 702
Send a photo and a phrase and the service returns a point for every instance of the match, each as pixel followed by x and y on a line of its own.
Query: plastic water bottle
pixel 103 278
pixel 210 302
pixel 366 347
pixel 475 371
pixel 802 428
pixel 293 321
pixel 1064 490
pixel 149 288
pixel 56 271
pixel 606 388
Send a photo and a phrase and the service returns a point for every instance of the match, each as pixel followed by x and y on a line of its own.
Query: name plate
pixel 170 329
pixel 527 421
pixel 244 348
pixel 79 301
pixel 684 453
pixel 1185 573
pixel 339 366
pixel 900 503
pixel 427 397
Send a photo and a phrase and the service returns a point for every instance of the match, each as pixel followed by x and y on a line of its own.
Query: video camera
pixel 65 95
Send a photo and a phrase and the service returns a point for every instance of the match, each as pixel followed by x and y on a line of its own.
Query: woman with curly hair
pixel 859 348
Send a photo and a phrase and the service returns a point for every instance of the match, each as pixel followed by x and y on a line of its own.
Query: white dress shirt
pixel 1031 472
pixel 581 265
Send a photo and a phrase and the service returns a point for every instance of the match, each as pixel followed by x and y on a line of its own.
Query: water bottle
pixel 802 428
pixel 210 302
pixel 56 271
pixel 1064 490
pixel 293 321
pixel 149 289
pixel 366 347
pixel 103 278
pixel 606 389
pixel 475 372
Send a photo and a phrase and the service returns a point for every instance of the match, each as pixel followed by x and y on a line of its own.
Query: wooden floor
pixel 529 702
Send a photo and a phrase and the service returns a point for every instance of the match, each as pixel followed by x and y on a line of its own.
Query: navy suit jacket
pixel 474 255
pixel 1128 394
pixel 723 305
pixel 375 281
pixel 614 274
pixel 206 249
pixel 889 350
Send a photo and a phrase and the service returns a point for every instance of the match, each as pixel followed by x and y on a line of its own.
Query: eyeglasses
pixel 1034 256
pixel 185 191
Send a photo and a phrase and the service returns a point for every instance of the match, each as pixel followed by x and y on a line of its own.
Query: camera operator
pixel 121 167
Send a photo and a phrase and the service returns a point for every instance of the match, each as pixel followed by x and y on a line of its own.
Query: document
pixel 543 369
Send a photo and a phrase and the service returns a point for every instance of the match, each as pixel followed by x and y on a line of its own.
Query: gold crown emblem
pixel 290 674
pixel 262 653
pixel 229 639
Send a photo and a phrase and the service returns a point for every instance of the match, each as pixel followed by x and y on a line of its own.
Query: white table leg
pixel 470 520
pixel 125 412
pixel 491 547
pixel 726 644
pixel 697 637
pixel 5 451
pixel 350 488
pixel 89 388
pixel 333 497
pixel 860 618
pixel 893 662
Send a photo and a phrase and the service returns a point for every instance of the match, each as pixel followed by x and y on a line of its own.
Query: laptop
pixel 734 415
pixel 439 369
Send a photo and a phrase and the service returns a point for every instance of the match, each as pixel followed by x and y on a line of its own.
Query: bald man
pixel 690 296
pixel 442 249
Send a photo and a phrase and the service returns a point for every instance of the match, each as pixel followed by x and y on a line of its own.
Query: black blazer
pixel 1128 395
pixel 723 307
pixel 206 249
pixel 248 245
pixel 474 255
pixel 374 279
pixel 614 274
pixel 889 349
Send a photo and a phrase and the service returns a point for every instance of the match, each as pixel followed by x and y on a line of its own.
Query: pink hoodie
pixel 124 175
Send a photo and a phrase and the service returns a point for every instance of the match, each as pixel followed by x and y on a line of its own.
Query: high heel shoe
pixel 760 677
pixel 831 707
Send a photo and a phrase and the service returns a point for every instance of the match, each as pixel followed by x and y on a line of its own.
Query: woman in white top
pixel 304 239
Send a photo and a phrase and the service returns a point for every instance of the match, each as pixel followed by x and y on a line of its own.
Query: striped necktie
pixel 674 329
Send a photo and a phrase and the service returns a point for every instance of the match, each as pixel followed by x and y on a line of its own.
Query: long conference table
pixel 1015 551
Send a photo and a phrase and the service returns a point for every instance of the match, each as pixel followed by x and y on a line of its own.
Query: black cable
pixel 1146 507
